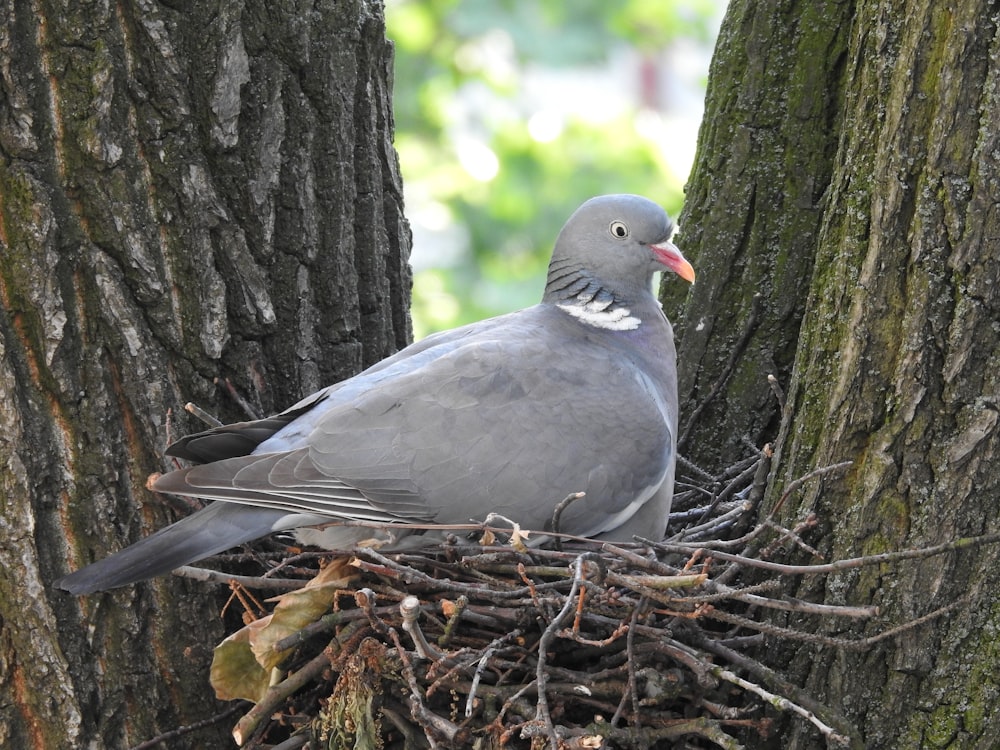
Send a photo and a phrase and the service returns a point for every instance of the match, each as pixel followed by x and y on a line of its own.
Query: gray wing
pixel 491 422
pixel 211 530
pixel 243 438
pixel 504 426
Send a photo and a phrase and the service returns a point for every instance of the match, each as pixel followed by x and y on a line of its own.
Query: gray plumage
pixel 508 415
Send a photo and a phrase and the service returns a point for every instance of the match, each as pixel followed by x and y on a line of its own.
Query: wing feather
pixel 486 421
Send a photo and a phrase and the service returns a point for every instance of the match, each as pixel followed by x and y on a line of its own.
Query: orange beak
pixel 668 254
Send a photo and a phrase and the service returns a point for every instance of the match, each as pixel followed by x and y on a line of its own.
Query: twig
pixel 735 484
pixel 782 704
pixel 759 484
pixel 789 604
pixel 847 564
pixel 252 607
pixel 792 535
pixel 794 485
pixel 863 644
pixel 777 630
pixel 558 511
pixel 713 525
pixel 327 623
pixel 542 714
pixel 277 694
pixel 409 608
pixel 250 582
pixel 690 465
pixel 454 618
pixel 696 513
pixel 760 528
pixel 192 408
pixel 231 391
pixel 776 389
pixel 365 599
pixel 632 691
pixel 173 734
pixel 482 665
pixel 433 725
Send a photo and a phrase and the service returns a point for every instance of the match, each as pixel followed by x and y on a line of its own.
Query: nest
pixel 492 644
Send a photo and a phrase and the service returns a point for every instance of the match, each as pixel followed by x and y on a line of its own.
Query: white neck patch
pixel 604 314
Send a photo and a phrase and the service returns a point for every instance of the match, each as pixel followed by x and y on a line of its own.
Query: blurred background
pixel 510 113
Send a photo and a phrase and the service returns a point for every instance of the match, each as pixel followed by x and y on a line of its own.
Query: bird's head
pixel 621 241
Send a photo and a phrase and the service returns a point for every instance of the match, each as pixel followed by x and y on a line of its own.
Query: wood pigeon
pixel 508 415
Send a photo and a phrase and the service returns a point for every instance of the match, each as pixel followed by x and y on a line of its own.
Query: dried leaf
pixel 241 665
pixel 235 673
pixel 299 608
pixel 517 537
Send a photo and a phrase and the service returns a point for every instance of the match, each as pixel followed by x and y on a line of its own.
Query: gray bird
pixel 508 415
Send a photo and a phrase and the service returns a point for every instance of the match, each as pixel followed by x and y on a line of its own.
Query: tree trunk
pixel 849 175
pixel 190 194
pixel 752 214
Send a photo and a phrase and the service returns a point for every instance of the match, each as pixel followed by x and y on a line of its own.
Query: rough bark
pixel 188 192
pixel 752 214
pixel 892 317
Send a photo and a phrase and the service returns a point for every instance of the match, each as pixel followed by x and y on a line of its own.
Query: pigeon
pixel 510 415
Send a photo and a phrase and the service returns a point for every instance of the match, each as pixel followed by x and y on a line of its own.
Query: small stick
pixel 759 484
pixel 865 643
pixel 734 485
pixel 759 529
pixel 250 582
pixel 409 608
pixel 481 667
pixel 521 571
pixel 453 620
pixel 779 394
pixel 192 408
pixel 848 563
pixel 365 599
pixel 692 466
pixel 781 703
pixel 699 511
pixel 796 483
pixel 325 624
pixel 231 391
pixel 792 535
pixel 712 524
pixel 470 701
pixel 276 694
pixel 242 594
pixel 173 734
pixel 557 514
pixel 542 714
pixel 632 691
pixel 430 722
pixel 777 630
pixel 574 635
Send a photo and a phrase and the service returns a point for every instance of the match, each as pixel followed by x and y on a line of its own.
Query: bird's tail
pixel 210 531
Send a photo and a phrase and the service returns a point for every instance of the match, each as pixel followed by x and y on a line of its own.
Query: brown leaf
pixel 235 673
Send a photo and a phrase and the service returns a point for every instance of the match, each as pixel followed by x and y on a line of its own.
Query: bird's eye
pixel 618 229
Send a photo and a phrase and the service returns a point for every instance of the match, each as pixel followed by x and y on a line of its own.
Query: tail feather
pixel 210 531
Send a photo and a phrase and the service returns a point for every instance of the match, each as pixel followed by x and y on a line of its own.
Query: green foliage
pixel 460 67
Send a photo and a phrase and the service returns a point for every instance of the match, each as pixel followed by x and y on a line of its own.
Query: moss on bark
pixel 879 311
